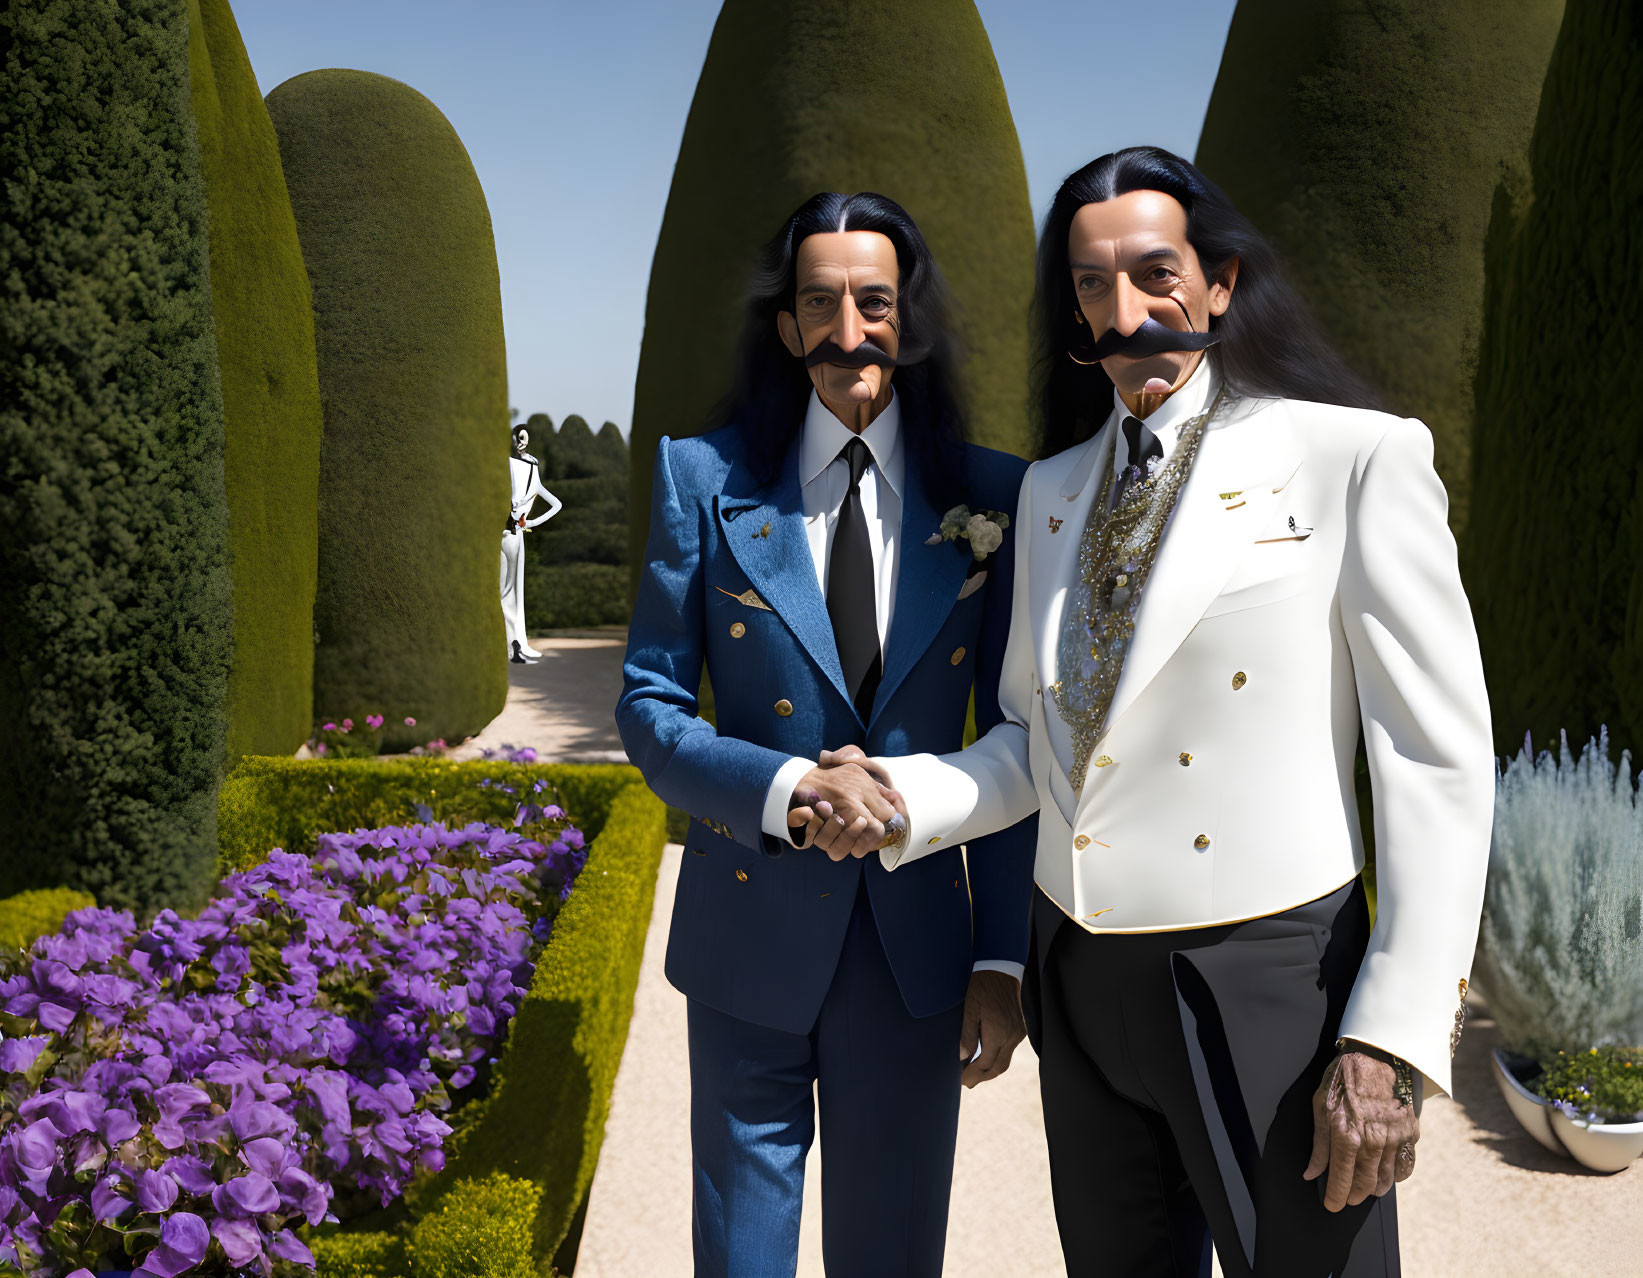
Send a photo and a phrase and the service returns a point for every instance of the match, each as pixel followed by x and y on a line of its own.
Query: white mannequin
pixel 526 475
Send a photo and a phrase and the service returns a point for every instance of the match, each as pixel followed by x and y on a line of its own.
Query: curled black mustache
pixel 868 352
pixel 1151 338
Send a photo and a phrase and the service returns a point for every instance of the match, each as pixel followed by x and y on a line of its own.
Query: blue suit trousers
pixel 887 1085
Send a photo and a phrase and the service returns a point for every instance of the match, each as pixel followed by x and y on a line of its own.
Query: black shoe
pixel 518 657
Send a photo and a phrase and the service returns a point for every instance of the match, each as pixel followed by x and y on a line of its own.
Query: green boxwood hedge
pixel 544 1118
pixel 30 915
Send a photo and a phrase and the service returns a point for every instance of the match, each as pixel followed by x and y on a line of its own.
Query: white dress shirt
pixel 824 479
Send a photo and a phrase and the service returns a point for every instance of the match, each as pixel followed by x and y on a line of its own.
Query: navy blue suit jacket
pixel 757 931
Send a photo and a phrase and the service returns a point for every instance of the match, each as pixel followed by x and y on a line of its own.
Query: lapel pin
pixel 1055 524
pixel 747 597
pixel 763 532
pixel 1231 495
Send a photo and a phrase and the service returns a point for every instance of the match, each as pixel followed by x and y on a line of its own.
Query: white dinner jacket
pixel 1307 577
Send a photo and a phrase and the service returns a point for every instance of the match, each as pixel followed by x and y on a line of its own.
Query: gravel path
pixel 1484 1200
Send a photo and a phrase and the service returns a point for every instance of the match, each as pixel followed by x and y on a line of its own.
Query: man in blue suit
pixel 810 552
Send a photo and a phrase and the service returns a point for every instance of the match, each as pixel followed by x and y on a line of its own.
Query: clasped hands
pixel 846 806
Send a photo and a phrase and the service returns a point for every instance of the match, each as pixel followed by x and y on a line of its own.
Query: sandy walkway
pixel 1485 1199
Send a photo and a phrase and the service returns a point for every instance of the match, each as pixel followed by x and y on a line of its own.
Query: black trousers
pixel 1177 1071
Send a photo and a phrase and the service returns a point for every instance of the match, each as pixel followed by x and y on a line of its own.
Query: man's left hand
pixel 992 1017
pixel 1362 1134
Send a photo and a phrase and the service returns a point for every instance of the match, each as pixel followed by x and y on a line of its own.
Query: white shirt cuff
pixel 780 795
pixel 1016 970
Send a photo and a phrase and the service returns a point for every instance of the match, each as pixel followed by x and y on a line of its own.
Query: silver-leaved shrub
pixel 177 1099
pixel 1560 954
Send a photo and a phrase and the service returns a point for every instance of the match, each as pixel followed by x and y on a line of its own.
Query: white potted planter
pixel 1531 1111
pixel 1603 1147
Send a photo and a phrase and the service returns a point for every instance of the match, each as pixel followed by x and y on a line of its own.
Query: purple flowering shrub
pixel 181 1097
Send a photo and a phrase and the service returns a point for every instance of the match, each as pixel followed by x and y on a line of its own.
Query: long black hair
pixel 772 387
pixel 1269 345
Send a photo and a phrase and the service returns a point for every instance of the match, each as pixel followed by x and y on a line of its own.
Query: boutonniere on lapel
pixel 984 532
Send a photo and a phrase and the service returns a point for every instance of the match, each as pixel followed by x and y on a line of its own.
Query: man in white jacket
pixel 1235 564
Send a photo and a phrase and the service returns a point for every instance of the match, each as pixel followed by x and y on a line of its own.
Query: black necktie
pixel 1143 447
pixel 851 594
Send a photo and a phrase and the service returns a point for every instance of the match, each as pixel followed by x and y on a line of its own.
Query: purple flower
pixel 247 1195
pixel 328 727
pixel 18 1054
pixel 156 1192
pixel 107 1203
pixel 183 1240
pixel 287 1246
pixel 373 721
pixel 347 725
pixel 190 1173
pixel 240 1239
pixel 36 1145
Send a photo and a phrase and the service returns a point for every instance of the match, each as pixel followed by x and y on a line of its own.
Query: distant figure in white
pixel 525 472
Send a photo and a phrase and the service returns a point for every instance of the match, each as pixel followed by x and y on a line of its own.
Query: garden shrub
pixel 284 803
pixel 1554 559
pixel 1365 141
pixel 270 390
pixel 1560 951
pixel 359 1255
pixel 413 492
pixel 575 596
pixel 912 105
pixel 544 1117
pixel 481 1229
pixel 115 600
pixel 26 917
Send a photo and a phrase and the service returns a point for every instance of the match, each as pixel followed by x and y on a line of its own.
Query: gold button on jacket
pixel 784 707
pixel 1201 842
pixel 1239 680
pixel 737 630
pixel 1081 842
pixel 1186 759
pixel 958 654
pixel 742 875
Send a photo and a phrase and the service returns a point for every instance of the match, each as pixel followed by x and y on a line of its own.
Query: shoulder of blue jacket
pixel 702 461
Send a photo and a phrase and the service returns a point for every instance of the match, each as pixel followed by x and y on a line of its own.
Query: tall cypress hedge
pixel 1366 141
pixel 413 488
pixel 114 588
pixel 1556 539
pixel 270 389
pixel 841 95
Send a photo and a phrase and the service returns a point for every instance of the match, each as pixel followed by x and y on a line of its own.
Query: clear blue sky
pixel 572 112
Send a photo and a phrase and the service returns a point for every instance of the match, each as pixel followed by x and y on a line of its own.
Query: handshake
pixel 846 807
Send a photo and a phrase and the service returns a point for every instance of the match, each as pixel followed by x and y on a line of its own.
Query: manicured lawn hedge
pixel 544 1119
pixel 26 917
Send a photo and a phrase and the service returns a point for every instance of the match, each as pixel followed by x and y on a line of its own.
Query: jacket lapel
pixel 778 563
pixel 1206 537
pixel 927 586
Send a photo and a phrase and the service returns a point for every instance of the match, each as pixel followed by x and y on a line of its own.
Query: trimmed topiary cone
pixel 840 95
pixel 413 490
pixel 1365 141
pixel 1555 545
pixel 270 387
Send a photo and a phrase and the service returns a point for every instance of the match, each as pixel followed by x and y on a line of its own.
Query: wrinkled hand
pixel 1361 1134
pixel 992 1017
pixel 845 810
